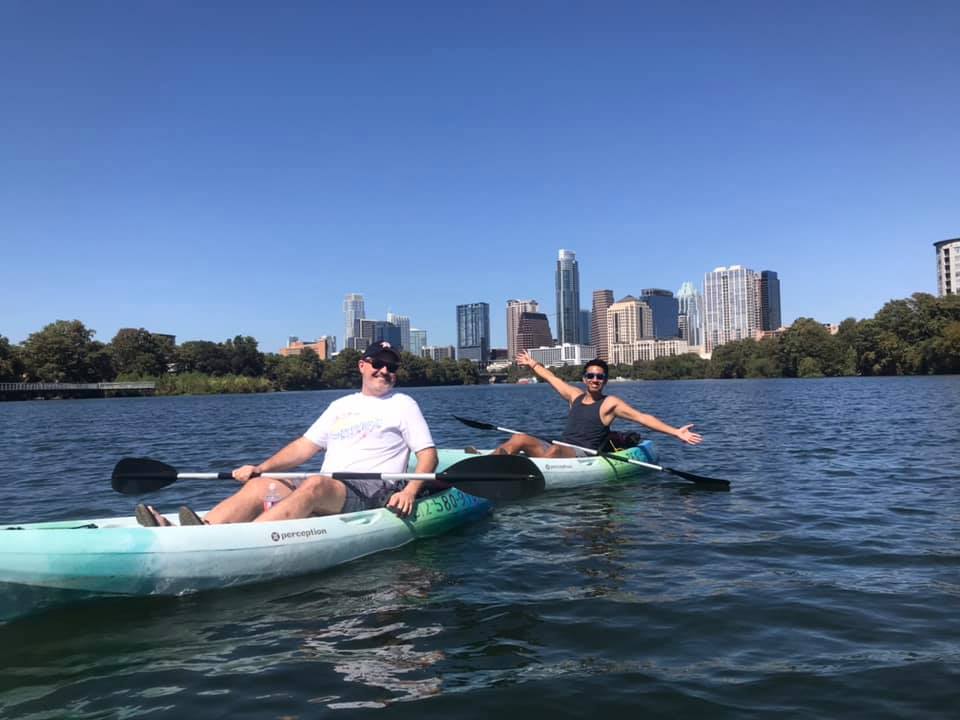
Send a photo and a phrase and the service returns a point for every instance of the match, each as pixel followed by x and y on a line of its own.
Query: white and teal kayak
pixel 578 472
pixel 54 563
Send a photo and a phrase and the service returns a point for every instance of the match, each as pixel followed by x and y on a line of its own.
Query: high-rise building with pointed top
pixel 568 298
pixel 690 318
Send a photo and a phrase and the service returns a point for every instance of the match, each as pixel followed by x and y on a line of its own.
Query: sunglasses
pixel 595 376
pixel 380 364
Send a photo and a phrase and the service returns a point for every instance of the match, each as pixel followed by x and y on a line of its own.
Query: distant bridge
pixel 58 387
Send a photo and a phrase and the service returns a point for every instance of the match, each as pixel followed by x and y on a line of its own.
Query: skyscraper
pixel 418 341
pixel 352 311
pixel 402 322
pixel 665 310
pixel 585 330
pixel 602 299
pixel 628 320
pixel 514 309
pixel 568 298
pixel 384 330
pixel 533 331
pixel 730 305
pixel 363 334
pixel 769 292
pixel 948 267
pixel 690 319
pixel 473 332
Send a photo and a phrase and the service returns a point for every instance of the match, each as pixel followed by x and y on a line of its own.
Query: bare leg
pixel 523 443
pixel 245 504
pixel 317 495
pixel 559 451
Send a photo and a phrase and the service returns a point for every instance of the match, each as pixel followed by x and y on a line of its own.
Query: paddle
pixel 718 483
pixel 495 477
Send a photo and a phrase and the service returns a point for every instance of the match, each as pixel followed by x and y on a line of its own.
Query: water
pixel 825 584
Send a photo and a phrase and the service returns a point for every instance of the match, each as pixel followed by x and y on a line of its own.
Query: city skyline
pixel 208 174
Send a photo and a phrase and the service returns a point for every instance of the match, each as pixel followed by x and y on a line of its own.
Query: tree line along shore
pixel 919 335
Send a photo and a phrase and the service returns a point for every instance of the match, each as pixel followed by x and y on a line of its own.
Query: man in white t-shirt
pixel 374 430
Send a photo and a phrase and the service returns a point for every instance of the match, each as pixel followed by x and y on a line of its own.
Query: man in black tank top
pixel 591 414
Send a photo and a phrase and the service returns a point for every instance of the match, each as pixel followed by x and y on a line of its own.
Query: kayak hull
pixel 577 472
pixel 46 564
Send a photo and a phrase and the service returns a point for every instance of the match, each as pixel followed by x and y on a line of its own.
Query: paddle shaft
pixel 302 475
pixel 502 477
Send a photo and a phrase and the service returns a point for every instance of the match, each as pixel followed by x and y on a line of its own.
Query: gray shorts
pixel 369 494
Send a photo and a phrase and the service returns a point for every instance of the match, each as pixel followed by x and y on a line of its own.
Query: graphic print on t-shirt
pixel 354 426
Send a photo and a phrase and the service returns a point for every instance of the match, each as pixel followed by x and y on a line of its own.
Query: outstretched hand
pixel 689 436
pixel 526 359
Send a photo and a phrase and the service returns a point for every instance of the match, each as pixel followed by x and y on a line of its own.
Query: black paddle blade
pixel 496 477
pixel 133 476
pixel 713 483
pixel 475 423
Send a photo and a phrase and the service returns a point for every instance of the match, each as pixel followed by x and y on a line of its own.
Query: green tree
pixel 732 359
pixel 807 338
pixel 299 372
pixel 413 370
pixel 137 353
pixel 202 356
pixel 343 371
pixel 467 372
pixel 63 351
pixel 11 364
pixel 243 356
pixel 809 367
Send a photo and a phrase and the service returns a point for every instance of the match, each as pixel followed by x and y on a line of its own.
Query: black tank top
pixel 584 427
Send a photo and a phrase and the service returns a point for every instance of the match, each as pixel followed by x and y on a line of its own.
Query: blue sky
pixel 214 169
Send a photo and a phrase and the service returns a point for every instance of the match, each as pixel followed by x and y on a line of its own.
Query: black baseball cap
pixel 383 351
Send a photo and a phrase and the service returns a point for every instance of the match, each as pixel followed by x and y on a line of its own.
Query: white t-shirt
pixel 365 433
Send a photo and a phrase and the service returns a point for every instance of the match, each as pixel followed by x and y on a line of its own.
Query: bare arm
pixel 567 391
pixel 403 501
pixel 621 409
pixel 294 454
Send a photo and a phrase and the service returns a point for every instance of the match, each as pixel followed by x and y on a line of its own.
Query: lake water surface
pixel 826 583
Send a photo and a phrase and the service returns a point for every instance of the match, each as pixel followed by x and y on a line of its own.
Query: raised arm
pixel 566 390
pixel 623 410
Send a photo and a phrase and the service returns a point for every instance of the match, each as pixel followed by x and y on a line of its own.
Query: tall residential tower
pixel 730 305
pixel 352 311
pixel 769 297
pixel 948 267
pixel 568 298
pixel 473 332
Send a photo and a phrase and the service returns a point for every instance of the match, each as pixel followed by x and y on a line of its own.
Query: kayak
pixel 577 472
pixel 55 563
